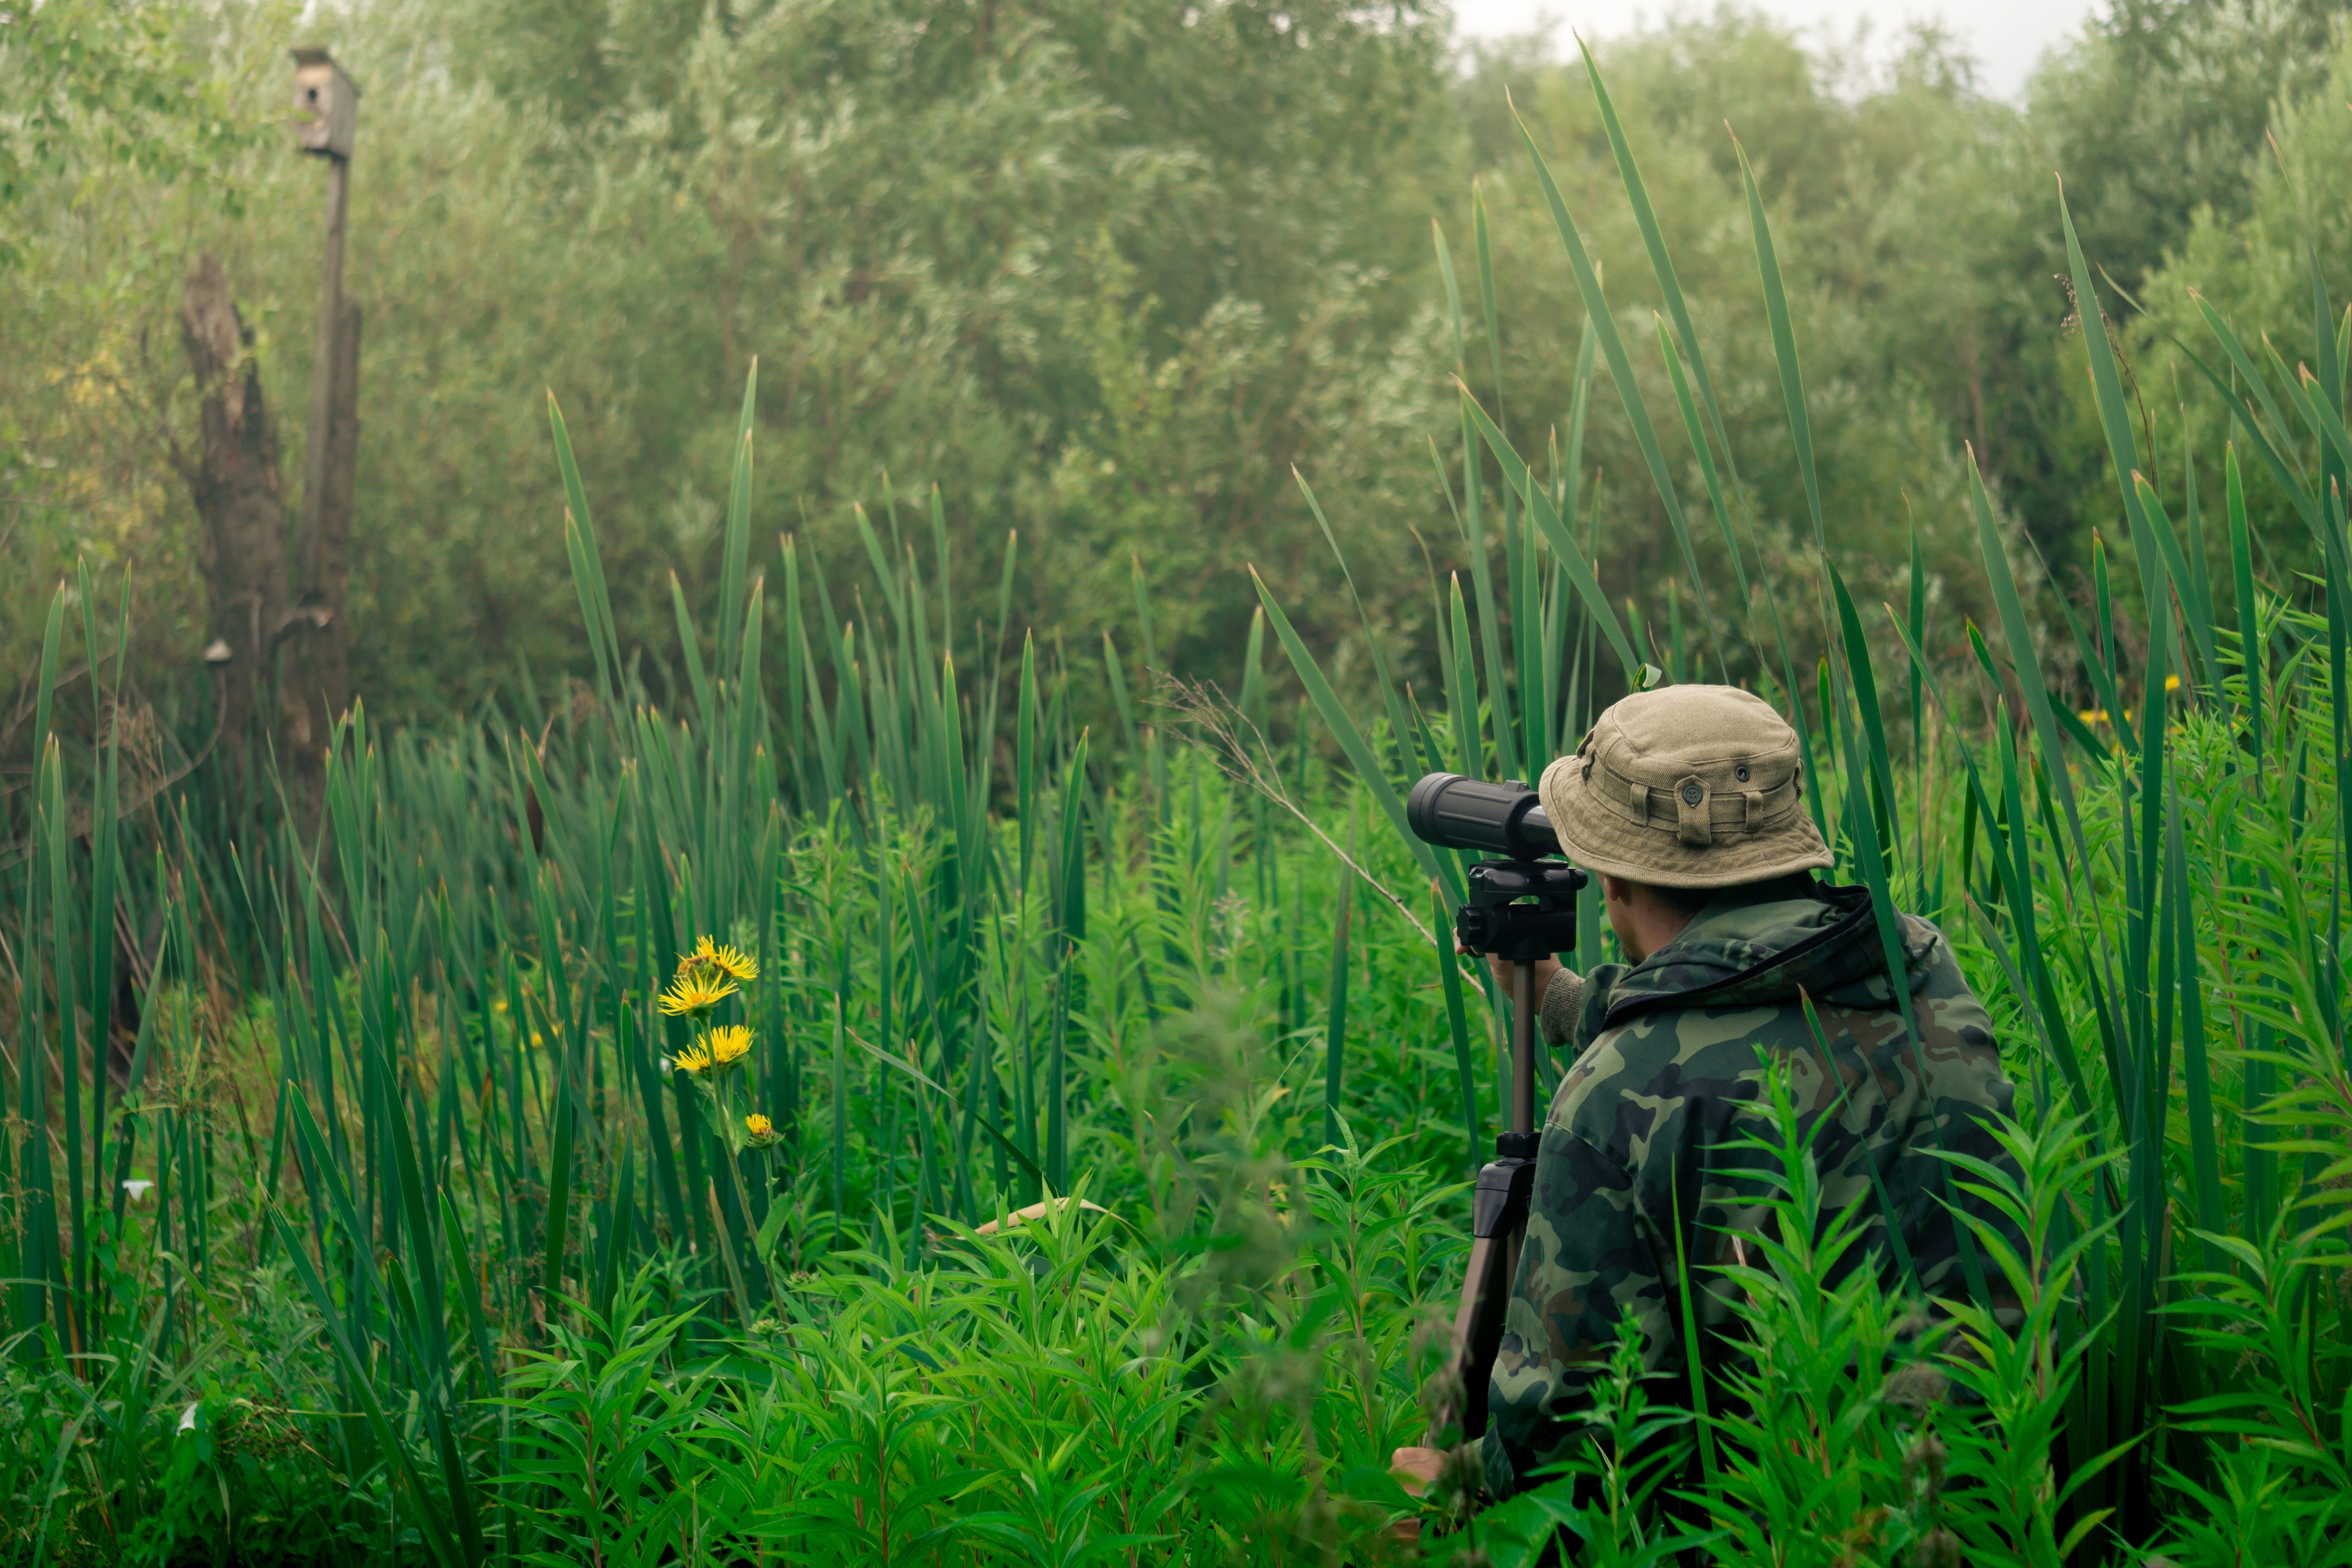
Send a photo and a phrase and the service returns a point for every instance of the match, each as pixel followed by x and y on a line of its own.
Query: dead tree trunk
pixel 233 482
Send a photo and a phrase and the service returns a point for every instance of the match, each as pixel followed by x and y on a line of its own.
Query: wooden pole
pixel 322 364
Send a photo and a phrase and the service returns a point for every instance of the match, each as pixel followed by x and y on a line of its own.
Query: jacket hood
pixel 1766 944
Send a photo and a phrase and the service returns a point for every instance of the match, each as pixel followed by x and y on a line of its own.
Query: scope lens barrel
pixel 1459 813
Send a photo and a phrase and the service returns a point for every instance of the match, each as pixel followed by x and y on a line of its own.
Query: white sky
pixel 2006 35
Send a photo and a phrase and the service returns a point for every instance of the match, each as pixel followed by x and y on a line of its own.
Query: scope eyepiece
pixel 1458 813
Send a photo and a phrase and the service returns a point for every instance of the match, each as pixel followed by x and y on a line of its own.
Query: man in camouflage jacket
pixel 1687 803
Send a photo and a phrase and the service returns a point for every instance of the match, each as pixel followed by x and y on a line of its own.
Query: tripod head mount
pixel 1519 910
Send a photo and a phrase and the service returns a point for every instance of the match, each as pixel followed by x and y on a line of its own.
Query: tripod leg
pixel 1498 1225
pixel 1477 1333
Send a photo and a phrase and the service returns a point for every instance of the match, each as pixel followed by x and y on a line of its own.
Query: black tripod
pixel 1520 909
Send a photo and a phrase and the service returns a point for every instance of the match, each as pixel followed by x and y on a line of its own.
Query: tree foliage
pixel 1101 273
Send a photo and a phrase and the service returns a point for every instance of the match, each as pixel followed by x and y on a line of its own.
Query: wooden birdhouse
pixel 326 104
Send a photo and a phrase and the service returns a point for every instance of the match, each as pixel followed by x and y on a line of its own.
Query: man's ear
pixel 1615 889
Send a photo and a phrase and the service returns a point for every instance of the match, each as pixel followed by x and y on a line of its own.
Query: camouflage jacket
pixel 1641 1161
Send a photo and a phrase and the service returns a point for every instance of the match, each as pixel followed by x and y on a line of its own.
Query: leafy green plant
pixel 1601 1504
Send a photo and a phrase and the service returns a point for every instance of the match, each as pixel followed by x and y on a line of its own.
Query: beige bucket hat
pixel 1689 786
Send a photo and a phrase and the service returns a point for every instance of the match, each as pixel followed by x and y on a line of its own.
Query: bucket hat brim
pixel 1606 822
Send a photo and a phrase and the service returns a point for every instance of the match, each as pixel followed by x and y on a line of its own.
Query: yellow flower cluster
pixel 2099 715
pixel 705 977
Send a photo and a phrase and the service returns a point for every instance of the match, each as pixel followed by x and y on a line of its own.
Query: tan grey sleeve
pixel 1563 1000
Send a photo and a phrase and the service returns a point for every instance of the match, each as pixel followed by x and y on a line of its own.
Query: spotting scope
pixel 1457 813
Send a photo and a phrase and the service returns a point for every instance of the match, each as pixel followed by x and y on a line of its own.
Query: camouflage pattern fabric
pixel 1640 1161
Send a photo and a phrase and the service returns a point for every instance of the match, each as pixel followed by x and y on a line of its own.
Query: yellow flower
pixel 730 962
pixel 693 1060
pixel 2172 683
pixel 2093 715
pixel 757 1125
pixel 728 1042
pixel 695 994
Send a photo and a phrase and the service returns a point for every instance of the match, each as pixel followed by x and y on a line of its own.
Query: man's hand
pixel 1506 974
pixel 1448 1477
pixel 1416 1469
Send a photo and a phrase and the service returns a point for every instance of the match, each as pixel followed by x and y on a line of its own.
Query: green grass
pixel 435 1258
